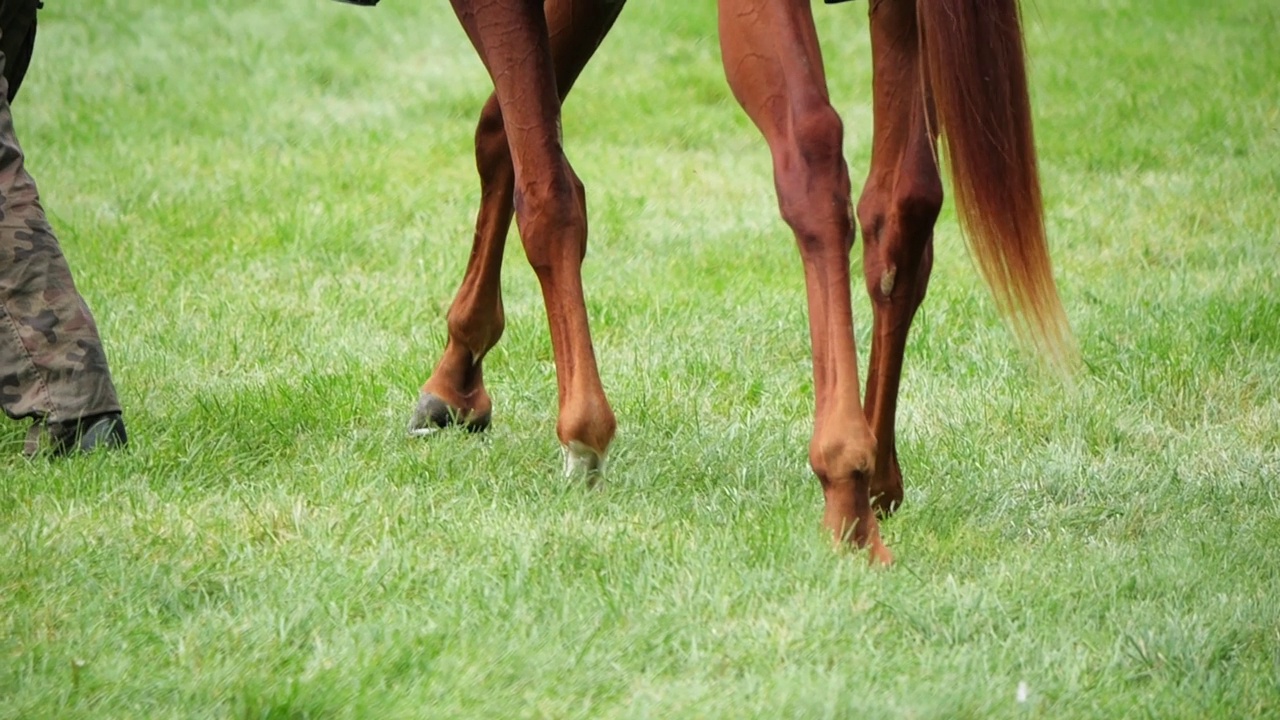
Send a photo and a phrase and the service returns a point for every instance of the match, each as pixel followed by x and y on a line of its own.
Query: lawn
pixel 269 206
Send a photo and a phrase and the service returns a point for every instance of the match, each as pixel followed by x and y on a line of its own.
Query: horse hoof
pixel 886 505
pixel 433 414
pixel 880 556
pixel 582 461
pixel 886 496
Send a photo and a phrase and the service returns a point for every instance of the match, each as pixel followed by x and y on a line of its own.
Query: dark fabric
pixel 18 39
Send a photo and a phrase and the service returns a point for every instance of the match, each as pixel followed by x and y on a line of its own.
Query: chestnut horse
pixel 949 68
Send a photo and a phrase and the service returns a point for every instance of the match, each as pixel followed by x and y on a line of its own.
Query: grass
pixel 268 207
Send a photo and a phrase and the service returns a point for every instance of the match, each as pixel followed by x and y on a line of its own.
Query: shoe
pixel 88 434
pixel 83 436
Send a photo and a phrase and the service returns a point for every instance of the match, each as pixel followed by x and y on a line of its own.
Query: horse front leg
pixel 514 42
pixel 455 392
pixel 773 63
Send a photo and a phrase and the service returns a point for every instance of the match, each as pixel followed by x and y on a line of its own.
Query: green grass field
pixel 269 206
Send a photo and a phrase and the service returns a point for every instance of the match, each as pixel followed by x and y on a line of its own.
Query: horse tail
pixel 974 63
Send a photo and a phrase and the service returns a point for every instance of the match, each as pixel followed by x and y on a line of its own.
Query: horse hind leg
pixel 774 66
pixel 455 392
pixel 897 210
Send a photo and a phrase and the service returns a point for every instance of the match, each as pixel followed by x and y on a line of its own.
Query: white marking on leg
pixel 582 460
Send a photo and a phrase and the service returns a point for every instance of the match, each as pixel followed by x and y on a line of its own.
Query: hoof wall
pixel 433 414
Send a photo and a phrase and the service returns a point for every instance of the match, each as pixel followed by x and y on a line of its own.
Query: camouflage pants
pixel 52 366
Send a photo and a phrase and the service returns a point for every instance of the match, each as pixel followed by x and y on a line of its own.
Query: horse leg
pixel 774 65
pixel 455 391
pixel 897 210
pixel 514 40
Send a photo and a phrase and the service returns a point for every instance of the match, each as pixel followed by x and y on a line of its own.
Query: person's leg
pixel 52 365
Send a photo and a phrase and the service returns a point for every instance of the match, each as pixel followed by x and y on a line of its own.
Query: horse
pixel 945 72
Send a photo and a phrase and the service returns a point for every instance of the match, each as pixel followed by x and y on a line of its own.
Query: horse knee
pixel 551 213
pixel 818 135
pixel 812 179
